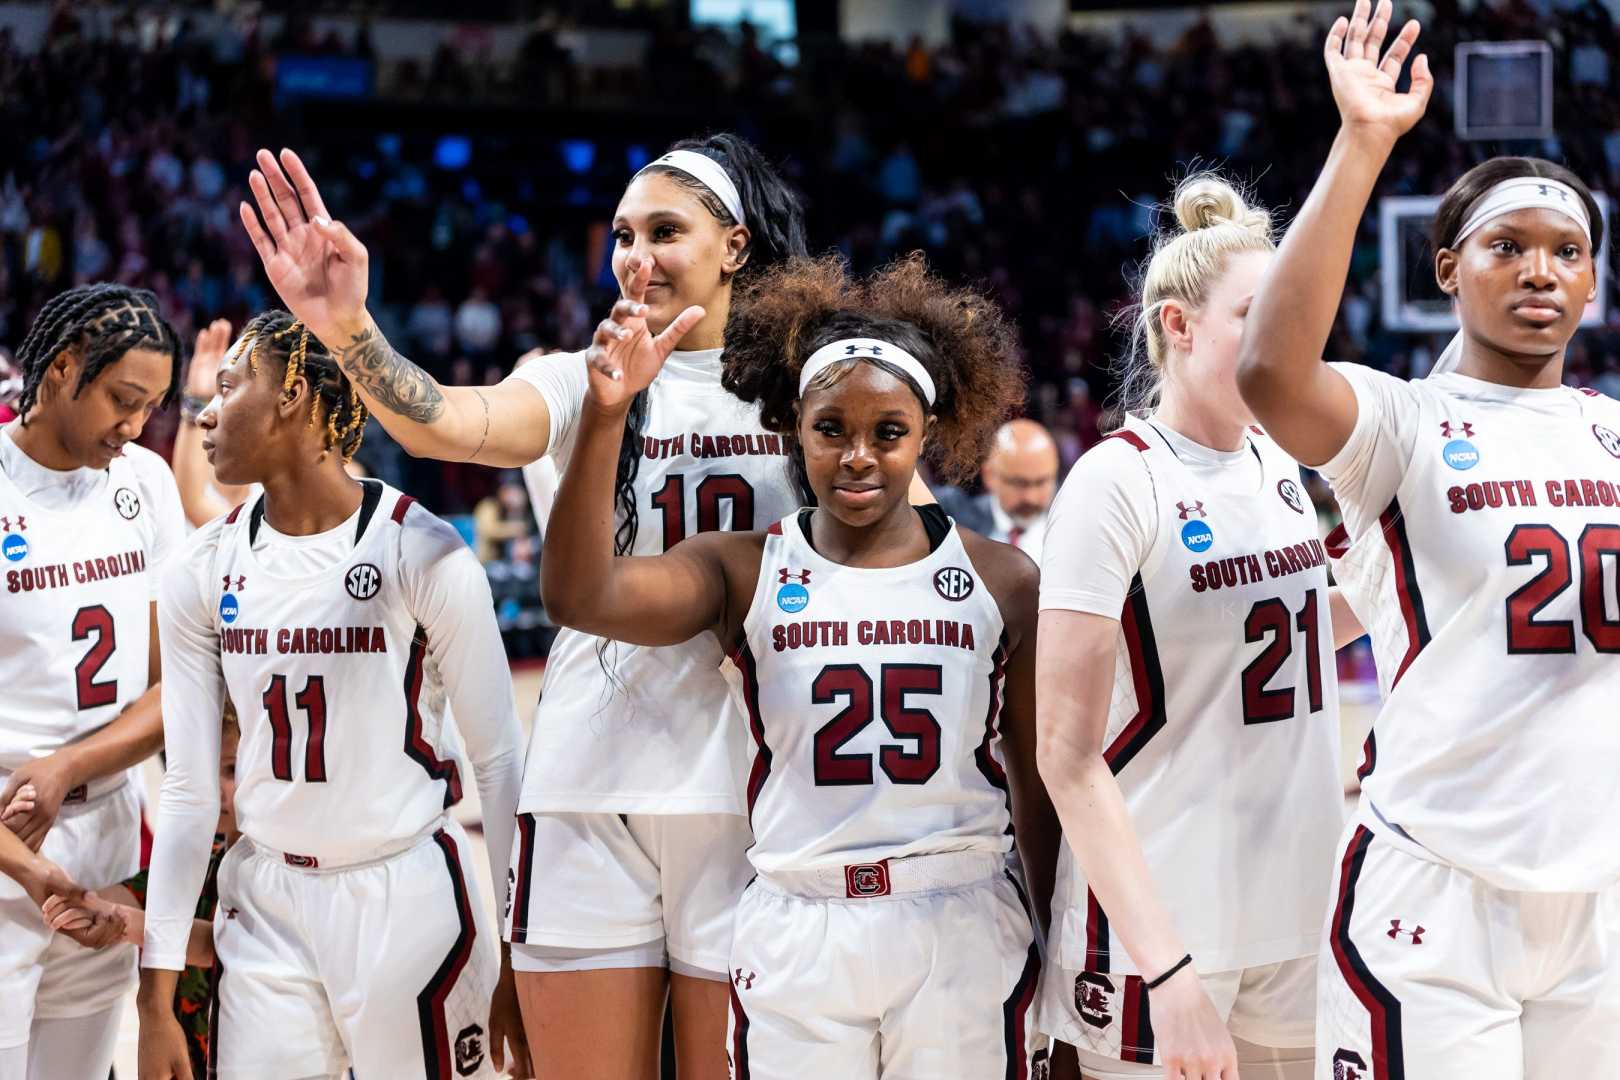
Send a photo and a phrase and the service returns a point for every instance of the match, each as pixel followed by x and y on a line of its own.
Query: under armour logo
pixel 744 981
pixel 239 579
pixel 1446 429
pixel 784 575
pixel 22 524
pixel 851 350
pixel 1395 932
pixel 1563 196
pixel 1196 508
pixel 231 913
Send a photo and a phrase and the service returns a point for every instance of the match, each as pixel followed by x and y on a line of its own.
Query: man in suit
pixel 1020 479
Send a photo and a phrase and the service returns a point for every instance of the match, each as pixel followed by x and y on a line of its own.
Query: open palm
pixel 625 356
pixel 1364 86
pixel 315 264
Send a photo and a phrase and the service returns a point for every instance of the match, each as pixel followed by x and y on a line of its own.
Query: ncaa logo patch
pixel 1460 454
pixel 1198 536
pixel 953 583
pixel 792 598
pixel 1289 490
pixel 469 1049
pixel 127 503
pixel 1608 439
pixel 229 608
pixel 14 546
pixel 363 580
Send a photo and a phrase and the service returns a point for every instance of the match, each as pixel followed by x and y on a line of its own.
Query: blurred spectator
pixel 1020 479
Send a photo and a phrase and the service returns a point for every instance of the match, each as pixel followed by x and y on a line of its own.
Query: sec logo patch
pixel 127 503
pixel 953 583
pixel 1607 438
pixel 363 580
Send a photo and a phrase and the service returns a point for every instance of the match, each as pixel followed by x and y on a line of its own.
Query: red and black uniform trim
pixel 1098 946
pixel 1369 756
pixel 739 1037
pixel 1015 1010
pixel 1137 625
pixel 1130 437
pixel 403 504
pixel 236 512
pixel 437 1051
pixel 1393 523
pixel 216 974
pixel 743 657
pixel 1136 1023
pixel 523 879
pixel 986 760
pixel 1388 1059
pixel 417 748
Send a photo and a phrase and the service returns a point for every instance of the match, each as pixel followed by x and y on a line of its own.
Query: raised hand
pixel 624 356
pixel 1364 84
pixel 316 265
pixel 212 342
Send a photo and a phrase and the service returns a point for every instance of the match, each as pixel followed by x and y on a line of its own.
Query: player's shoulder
pixel 423 535
pixel 1120 460
pixel 1598 402
pixel 149 468
pixel 1006 570
pixel 537 367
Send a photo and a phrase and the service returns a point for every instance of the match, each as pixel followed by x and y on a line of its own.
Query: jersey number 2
pixel 671 501
pixel 1272 617
pixel 853 685
pixel 1528 634
pixel 311 699
pixel 95 620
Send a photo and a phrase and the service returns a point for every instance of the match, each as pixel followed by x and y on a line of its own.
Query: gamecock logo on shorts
pixel 1349 1065
pixel 363 580
pixel 469 1049
pixel 1093 998
pixel 866 879
pixel 953 583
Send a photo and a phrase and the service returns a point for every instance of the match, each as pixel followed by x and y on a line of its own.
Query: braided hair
pixel 276 336
pixel 103 322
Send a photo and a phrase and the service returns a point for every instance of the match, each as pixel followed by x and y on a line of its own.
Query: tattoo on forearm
pixel 485 437
pixel 389 378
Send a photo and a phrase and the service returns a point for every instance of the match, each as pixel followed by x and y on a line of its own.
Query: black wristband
pixel 1162 979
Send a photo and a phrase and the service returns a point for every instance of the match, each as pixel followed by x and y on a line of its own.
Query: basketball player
pixel 883 934
pixel 632 808
pixel 1188 701
pixel 345 623
pixel 86 516
pixel 1476 921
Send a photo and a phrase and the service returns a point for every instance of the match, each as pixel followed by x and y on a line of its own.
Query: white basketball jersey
pixel 1224 726
pixel 1488 581
pixel 75 608
pixel 630 729
pixel 873 702
pixel 345 750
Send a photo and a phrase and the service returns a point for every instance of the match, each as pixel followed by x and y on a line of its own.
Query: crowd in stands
pixel 1030 163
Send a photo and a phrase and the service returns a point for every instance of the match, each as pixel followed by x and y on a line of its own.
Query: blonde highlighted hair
pixel 1214 222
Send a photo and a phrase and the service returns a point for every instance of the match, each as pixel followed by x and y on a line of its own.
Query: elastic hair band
pixel 708 172
pixel 1162 979
pixel 854 348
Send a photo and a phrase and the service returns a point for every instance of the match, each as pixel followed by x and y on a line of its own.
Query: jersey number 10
pixel 670 500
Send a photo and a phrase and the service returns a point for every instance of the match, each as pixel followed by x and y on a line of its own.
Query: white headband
pixel 1519 193
pixel 1526 193
pixel 707 171
pixel 849 348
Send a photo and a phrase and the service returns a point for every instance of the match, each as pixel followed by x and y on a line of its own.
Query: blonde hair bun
pixel 1207 199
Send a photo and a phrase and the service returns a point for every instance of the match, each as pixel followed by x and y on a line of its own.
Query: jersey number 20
pixel 1528 634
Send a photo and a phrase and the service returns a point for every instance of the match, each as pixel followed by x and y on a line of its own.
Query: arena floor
pixel 1356 716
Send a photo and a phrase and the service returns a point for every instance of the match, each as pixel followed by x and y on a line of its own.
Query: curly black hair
pixel 958 334
pixel 277 336
pixel 103 321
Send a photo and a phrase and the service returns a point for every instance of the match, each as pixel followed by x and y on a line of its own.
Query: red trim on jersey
pixel 743 657
pixel 1137 625
pixel 1589 392
pixel 988 765
pixel 775 529
pixel 1337 542
pixel 739 1035
pixel 417 748
pixel 436 1049
pixel 1015 1009
pixel 523 878
pixel 216 975
pixel 1369 757
pixel 1099 950
pixel 1136 1023
pixel 230 518
pixel 1388 1061
pixel 1393 523
pixel 400 507
pixel 1129 436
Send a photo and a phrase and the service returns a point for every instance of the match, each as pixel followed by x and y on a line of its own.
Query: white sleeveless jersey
pixel 1482 553
pixel 631 729
pixel 345 750
pixel 873 701
pixel 75 606
pixel 1224 726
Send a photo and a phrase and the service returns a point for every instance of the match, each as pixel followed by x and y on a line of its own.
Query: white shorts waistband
pixel 888 877
pixel 315 864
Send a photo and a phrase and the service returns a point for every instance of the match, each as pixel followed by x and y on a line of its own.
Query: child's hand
pixel 91 921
